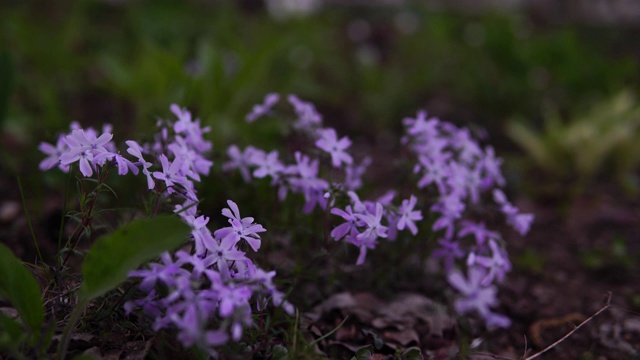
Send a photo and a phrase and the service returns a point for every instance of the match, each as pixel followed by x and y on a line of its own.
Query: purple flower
pixel 190 129
pixel 241 228
pixel 135 150
pixel 497 264
pixel 479 231
pixel 450 206
pixel 349 227
pixel 308 182
pixel 240 160
pixel 436 170
pixel 408 215
pixel 421 127
pixel 193 164
pixel 221 253
pixel 475 296
pixel 199 231
pixel 268 164
pixel 260 110
pixel 374 228
pixel 354 173
pixel 82 148
pixel 520 222
pixel 336 148
pixel 308 117
pixel 468 149
pixel 54 153
pixel 165 272
pixel 123 164
pixel 79 141
pixel 490 165
pixel 449 250
pixel 171 173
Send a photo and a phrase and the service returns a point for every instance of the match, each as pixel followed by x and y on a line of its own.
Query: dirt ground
pixel 574 262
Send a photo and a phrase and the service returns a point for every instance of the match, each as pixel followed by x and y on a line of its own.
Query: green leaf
pixel 113 256
pixel 412 353
pixel 19 286
pixel 11 333
pixel 363 353
pixel 6 74
pixel 279 352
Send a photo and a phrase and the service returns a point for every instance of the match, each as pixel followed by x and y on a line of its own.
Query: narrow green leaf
pixel 19 286
pixel 6 74
pixel 113 256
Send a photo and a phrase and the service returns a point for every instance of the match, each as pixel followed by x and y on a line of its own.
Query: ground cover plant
pixel 339 216
pixel 207 290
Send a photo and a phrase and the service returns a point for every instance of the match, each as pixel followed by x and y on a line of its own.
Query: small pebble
pixel 9 211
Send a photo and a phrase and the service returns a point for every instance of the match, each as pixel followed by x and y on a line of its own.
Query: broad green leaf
pixel 19 286
pixel 113 256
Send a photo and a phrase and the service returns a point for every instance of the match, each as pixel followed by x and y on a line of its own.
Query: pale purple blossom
pixel 240 160
pixel 267 164
pixel 54 153
pixel 263 109
pixel 350 226
pixel 519 221
pixel 330 143
pixel 408 216
pixel 475 296
pixel 82 148
pixel 241 228
pixel 497 264
pixel 135 150
pixel 308 118
pixel 171 173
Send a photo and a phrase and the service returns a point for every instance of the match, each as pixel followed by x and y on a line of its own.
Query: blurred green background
pixel 365 65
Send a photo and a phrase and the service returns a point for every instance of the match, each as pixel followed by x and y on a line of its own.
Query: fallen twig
pixel 605 307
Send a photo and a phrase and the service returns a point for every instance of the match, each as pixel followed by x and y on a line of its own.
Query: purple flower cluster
pixel 302 175
pixel 363 227
pixel 450 164
pixel 459 171
pixel 363 220
pixel 211 288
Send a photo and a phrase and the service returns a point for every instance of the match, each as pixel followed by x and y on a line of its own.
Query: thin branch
pixel 605 307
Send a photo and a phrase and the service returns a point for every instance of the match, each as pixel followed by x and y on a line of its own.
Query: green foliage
pixel 364 353
pixel 412 353
pixel 11 334
pixel 19 286
pixel 107 264
pixel 6 74
pixel 530 260
pixel 615 257
pixel 113 256
pixel 604 138
pixel 219 59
